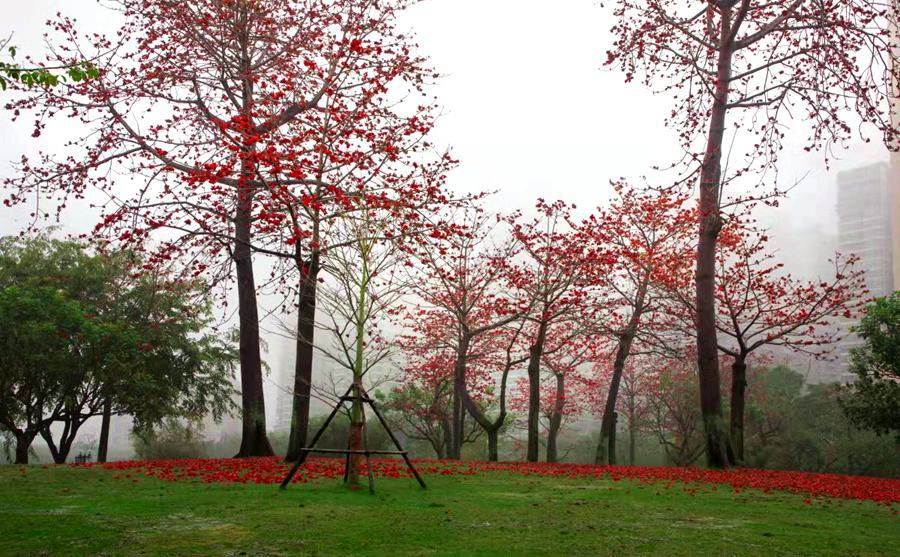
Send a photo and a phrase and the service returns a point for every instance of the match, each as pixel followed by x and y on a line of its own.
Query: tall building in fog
pixel 894 175
pixel 284 406
pixel 894 181
pixel 866 225
pixel 894 184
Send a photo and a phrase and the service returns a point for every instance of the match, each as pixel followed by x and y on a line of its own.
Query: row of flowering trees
pixel 548 316
pixel 219 131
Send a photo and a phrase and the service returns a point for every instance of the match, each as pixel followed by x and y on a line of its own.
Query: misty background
pixel 529 111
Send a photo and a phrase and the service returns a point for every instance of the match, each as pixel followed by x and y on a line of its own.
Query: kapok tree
pixel 824 64
pixel 366 146
pixel 462 283
pixel 634 251
pixel 549 276
pixel 206 111
pixel 425 397
pixel 759 306
pixel 566 363
pixel 420 405
pixel 675 416
pixel 638 380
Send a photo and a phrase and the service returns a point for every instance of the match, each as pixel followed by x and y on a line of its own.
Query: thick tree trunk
pixel 23 443
pixel 606 446
pixel 534 393
pixel 60 453
pixel 103 445
pixel 254 441
pixel 710 225
pixel 556 419
pixel 738 403
pixel 306 327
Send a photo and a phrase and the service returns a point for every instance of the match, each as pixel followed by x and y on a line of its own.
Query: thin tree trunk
pixel 738 403
pixel 631 443
pixel 306 326
pixel 438 447
pixel 447 433
pixel 357 416
pixel 612 438
pixel 493 445
pixel 605 446
pixel 459 392
pixel 710 225
pixel 490 427
pixel 534 393
pixel 357 431
pixel 556 418
pixel 103 445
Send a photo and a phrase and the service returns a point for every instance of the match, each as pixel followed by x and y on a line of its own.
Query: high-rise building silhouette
pixel 894 175
pixel 866 224
pixel 867 227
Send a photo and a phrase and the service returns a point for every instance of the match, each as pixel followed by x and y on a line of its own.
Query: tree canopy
pixel 83 331
pixel 873 401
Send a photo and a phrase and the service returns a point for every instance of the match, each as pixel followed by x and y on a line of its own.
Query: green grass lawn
pixel 64 511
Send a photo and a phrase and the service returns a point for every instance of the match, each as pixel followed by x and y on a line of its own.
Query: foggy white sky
pixel 529 111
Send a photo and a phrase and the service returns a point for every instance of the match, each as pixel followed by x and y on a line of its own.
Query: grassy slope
pixel 66 511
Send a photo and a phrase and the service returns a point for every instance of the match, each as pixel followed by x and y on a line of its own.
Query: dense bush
pixel 174 439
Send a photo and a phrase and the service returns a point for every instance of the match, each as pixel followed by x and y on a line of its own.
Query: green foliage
pixel 873 401
pixel 42 336
pixel 792 426
pixel 174 439
pixel 770 404
pixel 80 328
pixel 335 437
pixel 44 77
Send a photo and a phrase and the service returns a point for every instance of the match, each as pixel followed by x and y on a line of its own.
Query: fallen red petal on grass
pixel 271 470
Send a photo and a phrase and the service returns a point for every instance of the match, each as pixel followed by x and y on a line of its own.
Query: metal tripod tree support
pixel 354 393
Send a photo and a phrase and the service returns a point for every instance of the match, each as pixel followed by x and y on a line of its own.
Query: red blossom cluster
pixel 271 470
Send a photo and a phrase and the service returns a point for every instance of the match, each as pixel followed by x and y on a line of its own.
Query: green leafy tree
pixel 873 401
pixel 173 439
pixel 116 341
pixel 797 426
pixel 40 330
pixel 773 393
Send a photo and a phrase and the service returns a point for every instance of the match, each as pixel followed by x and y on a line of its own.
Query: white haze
pixel 529 111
